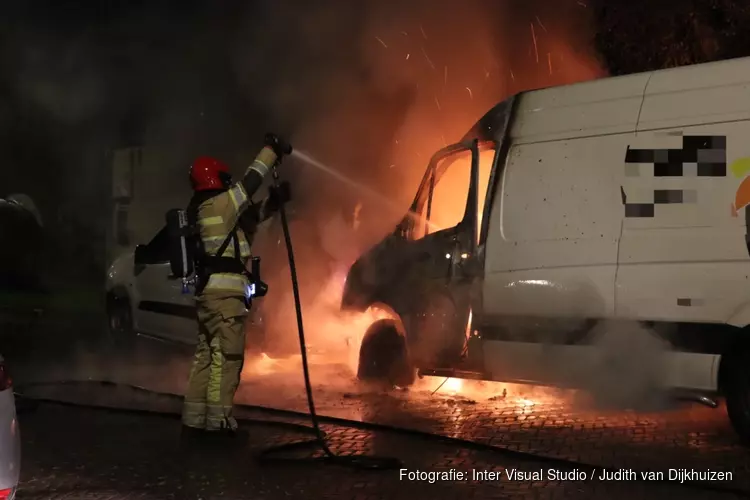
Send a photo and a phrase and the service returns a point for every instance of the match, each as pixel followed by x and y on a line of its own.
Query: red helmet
pixel 206 174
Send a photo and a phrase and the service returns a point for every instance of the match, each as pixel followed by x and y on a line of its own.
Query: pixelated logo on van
pixel 699 156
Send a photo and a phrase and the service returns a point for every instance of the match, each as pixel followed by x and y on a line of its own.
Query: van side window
pixel 418 222
pixel 450 191
pixel 157 250
pixel 441 204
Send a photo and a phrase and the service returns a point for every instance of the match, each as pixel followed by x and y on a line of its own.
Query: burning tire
pixel 735 379
pixel 384 356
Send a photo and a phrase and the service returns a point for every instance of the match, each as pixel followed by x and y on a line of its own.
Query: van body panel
pixel 685 256
pixel 706 93
pixel 547 250
pixel 578 366
pixel 580 110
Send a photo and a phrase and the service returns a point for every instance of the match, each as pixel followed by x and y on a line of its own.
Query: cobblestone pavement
pixel 551 424
pixel 73 453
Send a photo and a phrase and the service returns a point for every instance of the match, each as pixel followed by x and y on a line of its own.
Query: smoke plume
pixel 629 370
pixel 373 90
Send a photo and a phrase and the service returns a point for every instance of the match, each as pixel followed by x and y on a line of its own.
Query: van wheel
pixel 119 318
pixel 384 357
pixel 735 378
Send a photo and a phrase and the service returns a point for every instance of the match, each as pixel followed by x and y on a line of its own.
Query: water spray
pixel 371 193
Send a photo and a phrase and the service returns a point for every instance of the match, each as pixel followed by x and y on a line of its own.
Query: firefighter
pixel 225 220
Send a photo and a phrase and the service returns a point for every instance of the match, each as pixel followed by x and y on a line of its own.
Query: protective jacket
pixel 226 222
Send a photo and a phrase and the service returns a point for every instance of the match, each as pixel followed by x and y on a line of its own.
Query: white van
pixel 620 199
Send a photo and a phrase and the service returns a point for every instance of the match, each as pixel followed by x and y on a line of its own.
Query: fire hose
pixel 359 461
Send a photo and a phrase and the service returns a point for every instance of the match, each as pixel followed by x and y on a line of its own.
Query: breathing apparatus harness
pixel 190 261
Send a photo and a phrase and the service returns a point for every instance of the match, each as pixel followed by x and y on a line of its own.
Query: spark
pixel 582 4
pixel 512 76
pixel 423 33
pixel 407 56
pixel 427 58
pixel 405 33
pixel 486 74
pixel 381 42
pixel 549 62
pixel 438 103
pixel 533 36
pixel 445 78
pixel 357 210
pixel 471 96
pixel 391 166
pixel 540 23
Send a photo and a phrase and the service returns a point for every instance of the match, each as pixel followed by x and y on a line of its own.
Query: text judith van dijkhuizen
pixel 678 475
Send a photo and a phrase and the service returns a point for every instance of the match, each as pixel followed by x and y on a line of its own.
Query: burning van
pixel 567 215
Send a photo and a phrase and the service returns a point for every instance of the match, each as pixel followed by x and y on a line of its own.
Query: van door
pixel 551 259
pixel 441 234
pixel 163 309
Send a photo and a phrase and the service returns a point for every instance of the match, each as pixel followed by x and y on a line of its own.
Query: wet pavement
pixel 106 455
pixel 550 424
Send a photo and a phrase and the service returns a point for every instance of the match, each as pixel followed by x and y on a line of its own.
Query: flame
pixel 453 385
pixel 334 336
pixel 524 397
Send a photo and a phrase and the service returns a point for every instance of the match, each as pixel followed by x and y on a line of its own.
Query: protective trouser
pixel 219 356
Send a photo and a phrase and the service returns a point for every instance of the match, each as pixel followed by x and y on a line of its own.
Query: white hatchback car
pixel 10 439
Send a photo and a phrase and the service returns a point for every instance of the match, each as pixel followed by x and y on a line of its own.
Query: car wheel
pixel 384 357
pixel 735 378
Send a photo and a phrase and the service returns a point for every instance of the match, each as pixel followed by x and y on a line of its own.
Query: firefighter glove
pixel 279 145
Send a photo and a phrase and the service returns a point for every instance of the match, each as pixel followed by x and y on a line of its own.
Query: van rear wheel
pixel 736 388
pixel 384 356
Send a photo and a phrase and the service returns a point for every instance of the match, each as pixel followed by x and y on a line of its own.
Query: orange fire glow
pixel 523 397
pixel 333 336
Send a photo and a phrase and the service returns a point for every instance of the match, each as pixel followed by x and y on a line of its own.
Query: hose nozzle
pixel 279 145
